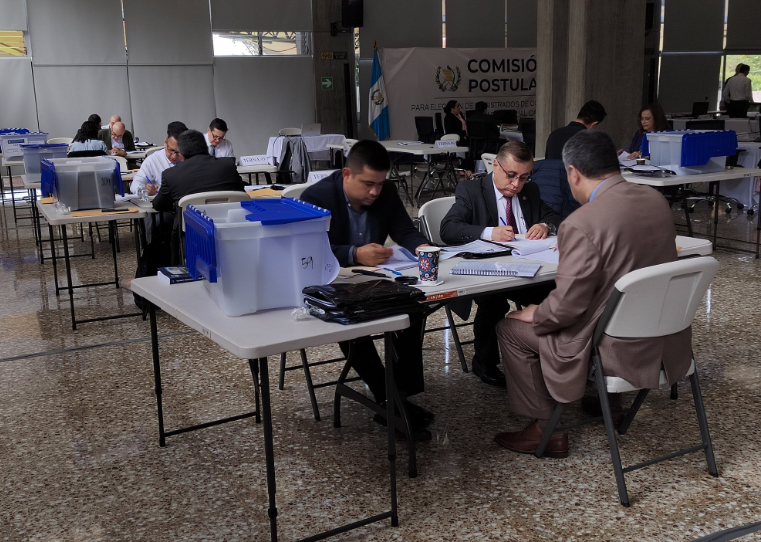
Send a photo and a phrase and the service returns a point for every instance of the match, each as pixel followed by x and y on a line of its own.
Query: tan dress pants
pixel 527 393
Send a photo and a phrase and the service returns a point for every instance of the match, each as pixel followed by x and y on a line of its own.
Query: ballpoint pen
pixel 397 273
pixel 369 273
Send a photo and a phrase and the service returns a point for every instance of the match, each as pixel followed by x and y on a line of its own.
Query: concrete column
pixel 336 110
pixel 589 50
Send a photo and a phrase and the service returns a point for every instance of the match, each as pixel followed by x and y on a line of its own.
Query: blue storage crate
pixel 699 147
pixel 281 211
pixel 200 250
pixel 49 180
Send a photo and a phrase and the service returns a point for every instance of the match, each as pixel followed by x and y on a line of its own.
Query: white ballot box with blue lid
pixel 258 255
pixel 690 152
pixel 11 142
pixel 37 152
pixel 82 183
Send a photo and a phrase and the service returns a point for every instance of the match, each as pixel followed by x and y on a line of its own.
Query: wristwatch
pixel 354 255
pixel 551 227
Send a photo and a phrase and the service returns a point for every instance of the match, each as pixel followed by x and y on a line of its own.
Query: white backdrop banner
pixel 421 80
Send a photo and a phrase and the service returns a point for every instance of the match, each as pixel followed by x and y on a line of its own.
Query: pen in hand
pixel 503 221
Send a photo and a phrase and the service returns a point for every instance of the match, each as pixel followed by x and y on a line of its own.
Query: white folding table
pixel 54 217
pixel 254 337
pixel 256 170
pixel 713 180
pixel 429 152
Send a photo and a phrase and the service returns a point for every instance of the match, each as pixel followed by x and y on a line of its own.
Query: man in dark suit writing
pixel 197 172
pixel 496 208
pixel 366 210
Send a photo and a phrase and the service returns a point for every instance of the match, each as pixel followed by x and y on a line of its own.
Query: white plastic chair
pixel 152 150
pixel 290 132
pixel 488 160
pixel 295 190
pixel 207 198
pixel 431 214
pixel 67 140
pixel 122 163
pixel 654 301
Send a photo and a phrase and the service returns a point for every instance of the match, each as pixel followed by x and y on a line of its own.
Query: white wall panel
pixel 17 105
pixel 688 78
pixel 171 32
pixel 259 96
pixel 12 14
pixel 400 23
pixel 521 23
pixel 744 25
pixel 67 95
pixel 693 26
pixel 162 94
pixel 76 32
pixel 261 15
pixel 475 23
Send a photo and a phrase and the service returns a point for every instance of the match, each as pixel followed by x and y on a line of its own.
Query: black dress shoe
pixel 489 375
pixel 590 405
pixel 418 416
pixel 419 434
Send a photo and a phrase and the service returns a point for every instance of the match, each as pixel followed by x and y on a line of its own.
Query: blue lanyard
pixel 592 195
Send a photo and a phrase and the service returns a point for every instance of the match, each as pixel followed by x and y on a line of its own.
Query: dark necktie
pixel 509 214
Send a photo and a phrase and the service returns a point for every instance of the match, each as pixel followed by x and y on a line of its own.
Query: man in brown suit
pixel 546 348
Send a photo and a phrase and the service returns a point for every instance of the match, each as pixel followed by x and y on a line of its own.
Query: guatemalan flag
pixel 377 112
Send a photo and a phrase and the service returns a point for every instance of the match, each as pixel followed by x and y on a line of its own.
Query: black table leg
pixel 269 451
pixel 686 210
pixel 714 189
pixel 52 257
pixel 112 233
pixel 391 423
pixel 156 371
pixel 67 261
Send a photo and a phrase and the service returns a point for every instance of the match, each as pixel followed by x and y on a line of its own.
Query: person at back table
pixel 651 119
pixel 738 92
pixel 117 138
pixel 590 115
pixel 366 210
pixel 196 172
pixel 87 139
pixel 150 173
pixel 496 208
pixel 492 130
pixel 215 140
pixel 546 348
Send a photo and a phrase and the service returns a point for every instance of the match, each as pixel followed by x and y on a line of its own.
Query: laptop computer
pixel 699 108
pixel 308 130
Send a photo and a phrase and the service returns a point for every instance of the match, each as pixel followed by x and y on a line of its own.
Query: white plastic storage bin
pixel 83 183
pixel 11 144
pixel 36 153
pixel 691 152
pixel 260 254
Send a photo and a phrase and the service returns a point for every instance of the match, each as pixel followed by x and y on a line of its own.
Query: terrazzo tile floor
pixel 80 460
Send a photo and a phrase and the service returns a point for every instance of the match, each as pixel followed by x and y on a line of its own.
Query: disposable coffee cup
pixel 640 161
pixel 428 263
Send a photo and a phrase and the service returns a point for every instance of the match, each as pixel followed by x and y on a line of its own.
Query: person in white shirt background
pixel 738 92
pixel 149 175
pixel 219 147
pixel 152 168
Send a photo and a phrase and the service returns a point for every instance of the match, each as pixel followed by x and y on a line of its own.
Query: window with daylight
pixel 12 43
pixel 262 43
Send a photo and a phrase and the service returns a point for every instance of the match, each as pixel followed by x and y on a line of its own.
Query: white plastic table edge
pixel 55 218
pixel 191 304
pixel 726 175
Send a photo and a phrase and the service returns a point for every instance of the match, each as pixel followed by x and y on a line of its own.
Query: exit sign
pixel 326 83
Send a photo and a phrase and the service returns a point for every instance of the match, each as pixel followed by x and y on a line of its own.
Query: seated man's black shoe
pixel 489 375
pixel 419 433
pixel 419 416
pixel 590 405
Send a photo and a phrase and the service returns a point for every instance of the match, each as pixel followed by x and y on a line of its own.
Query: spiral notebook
pixel 496 269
